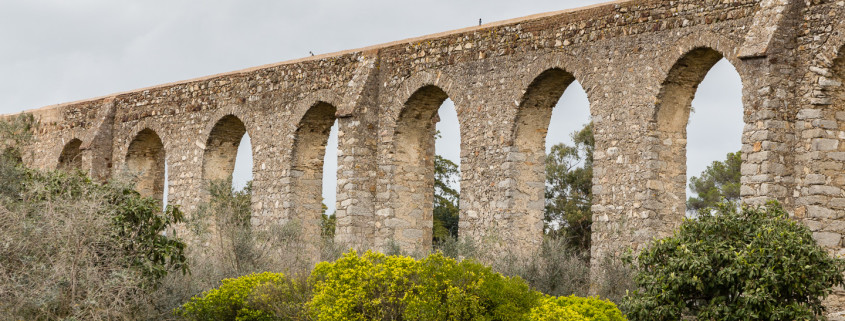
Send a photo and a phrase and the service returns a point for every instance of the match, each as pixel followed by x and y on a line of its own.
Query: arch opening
pixel 447 174
pixel 329 183
pixel 309 151
pixel 414 170
pixel 707 127
pixel 71 156
pixel 553 148
pixel 145 160
pixel 242 171
pixel 222 148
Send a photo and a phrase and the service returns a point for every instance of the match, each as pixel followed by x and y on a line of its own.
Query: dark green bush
pixel 735 264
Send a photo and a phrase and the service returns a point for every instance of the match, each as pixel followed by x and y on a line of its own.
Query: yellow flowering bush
pixel 230 300
pixel 374 286
pixel 573 308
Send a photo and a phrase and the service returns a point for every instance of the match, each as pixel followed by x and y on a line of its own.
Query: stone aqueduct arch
pixel 306 173
pixel 529 143
pixel 71 156
pixel 145 161
pixel 638 60
pixel 671 116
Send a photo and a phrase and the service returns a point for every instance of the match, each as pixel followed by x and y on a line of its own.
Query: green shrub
pixel 75 249
pixel 753 263
pixel 379 287
pixel 572 308
pixel 231 301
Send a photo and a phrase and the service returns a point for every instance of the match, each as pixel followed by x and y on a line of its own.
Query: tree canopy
pixel 446 199
pixel 569 186
pixel 719 182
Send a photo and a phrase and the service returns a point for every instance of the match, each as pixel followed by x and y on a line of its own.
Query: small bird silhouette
pixel 312 53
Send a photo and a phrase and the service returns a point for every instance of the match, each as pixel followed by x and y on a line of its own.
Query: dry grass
pixel 59 259
pixel 227 246
pixel 555 269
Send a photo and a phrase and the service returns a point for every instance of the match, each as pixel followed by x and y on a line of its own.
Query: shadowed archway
pixel 221 148
pixel 71 156
pixel 413 143
pixel 531 127
pixel 674 105
pixel 145 159
pixel 309 149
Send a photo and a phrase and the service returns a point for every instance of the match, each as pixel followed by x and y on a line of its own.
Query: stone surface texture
pixel 639 61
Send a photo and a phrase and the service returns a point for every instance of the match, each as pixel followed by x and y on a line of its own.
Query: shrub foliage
pixel 74 248
pixel 573 308
pixel 378 287
pixel 231 301
pixel 375 286
pixel 735 264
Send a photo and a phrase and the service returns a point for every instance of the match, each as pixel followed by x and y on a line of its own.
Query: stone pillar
pixel 357 163
pixel 97 147
pixel 820 158
pixel 496 209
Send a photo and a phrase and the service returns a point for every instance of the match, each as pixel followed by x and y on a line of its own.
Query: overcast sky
pixel 64 50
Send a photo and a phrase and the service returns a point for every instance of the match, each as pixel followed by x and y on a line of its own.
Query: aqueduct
pixel 639 62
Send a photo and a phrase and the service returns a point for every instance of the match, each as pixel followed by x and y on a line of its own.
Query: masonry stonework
pixel 639 61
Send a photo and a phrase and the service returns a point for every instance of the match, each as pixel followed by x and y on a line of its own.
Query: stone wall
pixel 639 61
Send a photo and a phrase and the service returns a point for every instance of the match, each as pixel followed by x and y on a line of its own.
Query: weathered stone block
pixel 825 190
pixel 822 212
pixel 828 239
pixel 825 144
pixel 809 113
pixel 815 179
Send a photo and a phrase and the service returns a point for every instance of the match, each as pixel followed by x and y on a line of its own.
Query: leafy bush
pixel 375 286
pixel 735 264
pixel 572 308
pixel 72 248
pixel 378 287
pixel 231 300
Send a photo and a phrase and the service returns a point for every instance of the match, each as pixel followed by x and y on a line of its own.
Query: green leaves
pixel 328 223
pixel 735 264
pixel 138 223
